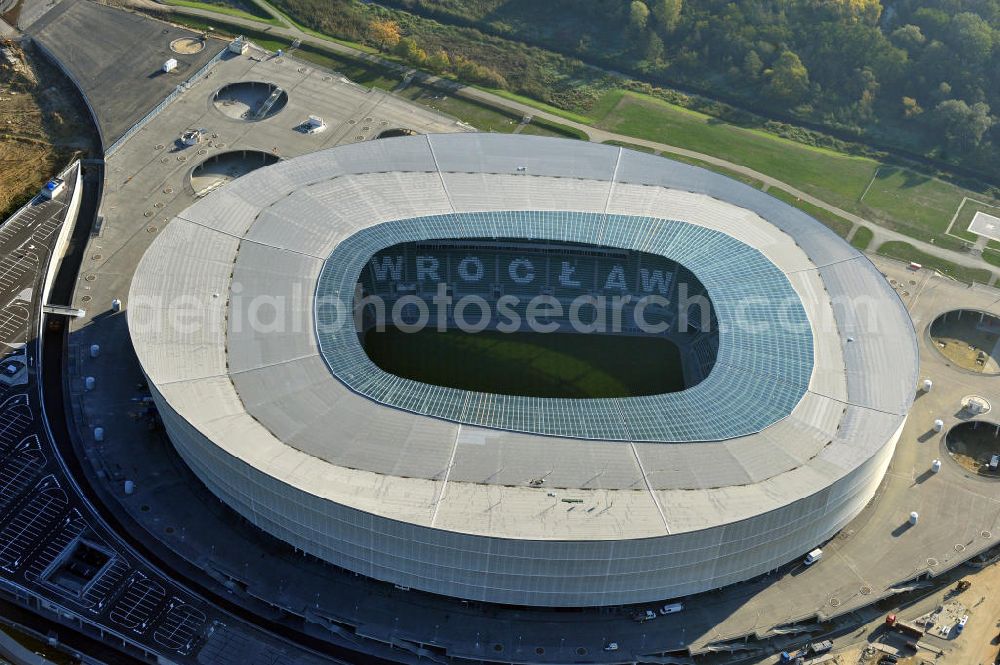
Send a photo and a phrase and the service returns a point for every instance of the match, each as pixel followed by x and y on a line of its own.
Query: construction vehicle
pixel 813 649
pixel 963 585
pixel 642 616
pixel 904 627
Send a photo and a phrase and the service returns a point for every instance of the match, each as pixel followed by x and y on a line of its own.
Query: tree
pixel 409 51
pixel 963 125
pixel 752 65
pixel 667 13
pixel 789 78
pixel 866 86
pixel 971 37
pixel 439 62
pixel 911 109
pixel 384 33
pixel 909 37
pixel 653 49
pixel 638 16
pixel 867 11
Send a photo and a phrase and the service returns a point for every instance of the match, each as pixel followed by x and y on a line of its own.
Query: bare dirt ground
pixel 972 447
pixel 978 644
pixel 965 343
pixel 187 45
pixel 43 124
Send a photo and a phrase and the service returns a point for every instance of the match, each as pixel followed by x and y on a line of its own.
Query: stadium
pixel 791 367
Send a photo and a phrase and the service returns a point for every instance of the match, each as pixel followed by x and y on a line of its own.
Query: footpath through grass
pixel 901 199
pixel 252 12
pixel 838 225
pixel 833 177
pixel 896 249
pixel 898 198
pixel 911 203
pixel 745 179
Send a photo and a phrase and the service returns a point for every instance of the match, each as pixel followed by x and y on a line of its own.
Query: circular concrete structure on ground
pixel 396 133
pixel 250 100
pixel 972 444
pixel 224 167
pixel 969 339
pixel 528 501
pixel 187 45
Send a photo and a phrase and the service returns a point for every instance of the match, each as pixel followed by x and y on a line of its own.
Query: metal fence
pixel 182 87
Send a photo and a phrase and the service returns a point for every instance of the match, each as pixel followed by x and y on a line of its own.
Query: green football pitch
pixel 531 364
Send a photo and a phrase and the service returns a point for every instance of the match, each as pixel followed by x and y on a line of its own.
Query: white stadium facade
pixel 795 401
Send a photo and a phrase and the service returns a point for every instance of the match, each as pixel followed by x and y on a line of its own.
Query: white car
pixel 671 608
pixel 611 646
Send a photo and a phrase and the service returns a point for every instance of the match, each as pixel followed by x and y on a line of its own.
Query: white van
pixel 813 557
pixel 671 608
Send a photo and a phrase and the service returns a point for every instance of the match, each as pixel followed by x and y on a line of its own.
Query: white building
pixel 644 498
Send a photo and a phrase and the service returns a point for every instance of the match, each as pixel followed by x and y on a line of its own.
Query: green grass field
pixel 531 364
pixel 838 225
pixel 918 205
pixel 831 176
pixel 360 72
pixel 480 116
pixel 544 127
pixel 747 180
pixel 902 251
pixel 964 218
pixel 862 238
pixel 243 10
pixel 911 203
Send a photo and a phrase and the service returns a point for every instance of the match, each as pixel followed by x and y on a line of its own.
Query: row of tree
pixel 921 74
pixel 386 34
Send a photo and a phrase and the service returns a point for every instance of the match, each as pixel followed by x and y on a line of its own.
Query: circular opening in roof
pixel 968 339
pixel 537 319
pixel 250 100
pixel 187 45
pixel 225 167
pixel 393 133
pixel 975 446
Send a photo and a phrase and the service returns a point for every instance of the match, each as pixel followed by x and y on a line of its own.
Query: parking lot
pixel 42 518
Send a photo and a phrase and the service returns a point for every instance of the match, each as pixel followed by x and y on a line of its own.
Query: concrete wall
pixel 521 572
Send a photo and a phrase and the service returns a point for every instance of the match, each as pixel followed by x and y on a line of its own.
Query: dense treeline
pixel 922 75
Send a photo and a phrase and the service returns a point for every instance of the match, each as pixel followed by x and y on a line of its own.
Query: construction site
pixel 43 124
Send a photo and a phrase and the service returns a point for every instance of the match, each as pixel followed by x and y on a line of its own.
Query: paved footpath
pixel 290 31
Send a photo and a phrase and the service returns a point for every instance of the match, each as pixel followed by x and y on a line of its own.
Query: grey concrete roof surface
pixel 115 59
pixel 268 398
